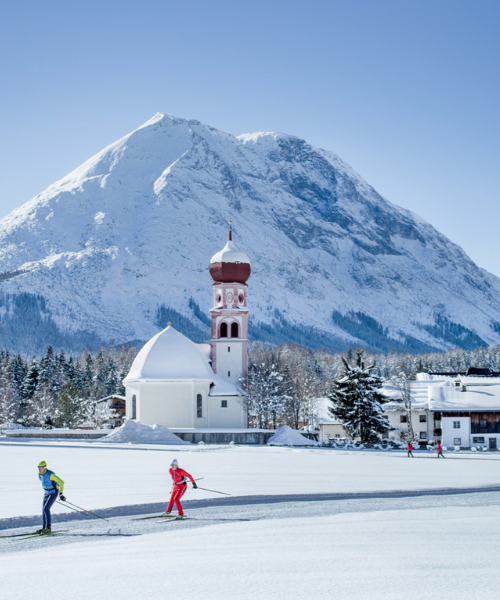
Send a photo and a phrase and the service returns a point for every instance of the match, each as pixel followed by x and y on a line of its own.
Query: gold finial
pixel 169 323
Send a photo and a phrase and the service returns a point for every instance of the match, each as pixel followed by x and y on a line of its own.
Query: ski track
pixel 203 513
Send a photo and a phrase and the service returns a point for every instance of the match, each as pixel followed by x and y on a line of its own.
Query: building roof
pixel 475 398
pixel 230 254
pixel 442 395
pixel 171 356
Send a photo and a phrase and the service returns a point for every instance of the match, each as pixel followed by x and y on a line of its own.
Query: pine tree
pixel 356 401
pixel 69 406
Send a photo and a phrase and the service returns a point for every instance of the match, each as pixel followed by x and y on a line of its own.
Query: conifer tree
pixel 356 401
pixel 69 406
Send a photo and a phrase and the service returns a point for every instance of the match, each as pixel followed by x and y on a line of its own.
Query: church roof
pixel 171 356
pixel 230 254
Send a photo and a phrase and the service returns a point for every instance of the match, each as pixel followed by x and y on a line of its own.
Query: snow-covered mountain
pixel 123 243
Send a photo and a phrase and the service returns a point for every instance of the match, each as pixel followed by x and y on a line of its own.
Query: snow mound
pixel 138 433
pixel 286 436
pixel 10 425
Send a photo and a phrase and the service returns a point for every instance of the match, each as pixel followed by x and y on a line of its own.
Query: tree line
pixel 284 381
pixel 59 390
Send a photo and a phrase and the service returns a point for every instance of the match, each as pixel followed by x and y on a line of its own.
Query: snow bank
pixel 7 426
pixel 286 436
pixel 138 433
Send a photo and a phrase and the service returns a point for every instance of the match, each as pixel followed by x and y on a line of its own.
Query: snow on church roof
pixel 230 254
pixel 172 356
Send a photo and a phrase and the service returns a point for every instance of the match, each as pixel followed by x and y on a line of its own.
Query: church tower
pixel 230 269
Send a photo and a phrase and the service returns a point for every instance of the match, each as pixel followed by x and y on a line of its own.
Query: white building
pixel 458 410
pixel 179 384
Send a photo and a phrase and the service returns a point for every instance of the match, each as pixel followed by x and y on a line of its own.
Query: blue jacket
pixel 48 484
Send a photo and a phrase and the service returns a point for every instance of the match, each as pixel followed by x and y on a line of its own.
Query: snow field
pixel 449 553
pixel 107 475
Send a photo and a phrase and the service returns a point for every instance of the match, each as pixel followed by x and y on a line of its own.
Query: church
pixel 179 384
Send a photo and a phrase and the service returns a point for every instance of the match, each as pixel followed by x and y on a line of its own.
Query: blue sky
pixel 408 93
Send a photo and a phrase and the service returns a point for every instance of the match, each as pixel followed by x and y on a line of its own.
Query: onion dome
pixel 230 265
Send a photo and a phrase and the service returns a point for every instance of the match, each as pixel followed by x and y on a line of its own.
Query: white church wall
pixel 170 406
pixel 232 414
pixel 129 402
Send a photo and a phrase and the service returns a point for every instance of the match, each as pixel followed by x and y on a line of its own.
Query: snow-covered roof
pixel 322 414
pixel 230 254
pixel 419 395
pixel 171 356
pixel 475 398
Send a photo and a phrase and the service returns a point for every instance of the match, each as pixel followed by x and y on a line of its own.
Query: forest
pixel 285 381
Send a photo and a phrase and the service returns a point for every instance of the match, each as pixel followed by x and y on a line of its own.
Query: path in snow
pixel 124 521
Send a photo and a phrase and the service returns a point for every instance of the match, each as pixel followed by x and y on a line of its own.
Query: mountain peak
pixel 123 242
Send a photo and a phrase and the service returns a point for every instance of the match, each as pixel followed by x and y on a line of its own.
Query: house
pixel 116 405
pixel 457 409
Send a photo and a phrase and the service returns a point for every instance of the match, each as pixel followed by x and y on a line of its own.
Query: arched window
pixel 134 407
pixel 199 406
pixel 234 330
pixel 223 330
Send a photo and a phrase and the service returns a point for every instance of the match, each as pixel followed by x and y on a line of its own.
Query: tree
pixel 356 401
pixel 69 406
pixel 403 384
pixel 41 406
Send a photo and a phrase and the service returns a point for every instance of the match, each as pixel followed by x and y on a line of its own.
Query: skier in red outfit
pixel 409 448
pixel 439 450
pixel 179 477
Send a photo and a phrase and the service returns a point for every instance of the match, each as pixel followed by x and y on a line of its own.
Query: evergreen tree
pixel 356 401
pixel 69 406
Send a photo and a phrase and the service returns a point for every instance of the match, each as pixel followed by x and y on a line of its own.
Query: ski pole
pixel 78 511
pixel 85 510
pixel 215 491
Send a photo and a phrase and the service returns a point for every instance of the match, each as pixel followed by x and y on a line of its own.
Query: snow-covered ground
pixel 300 523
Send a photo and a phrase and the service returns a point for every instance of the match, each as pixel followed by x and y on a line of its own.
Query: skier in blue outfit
pixel 52 487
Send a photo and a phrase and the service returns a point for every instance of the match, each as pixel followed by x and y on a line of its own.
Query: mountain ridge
pixel 128 236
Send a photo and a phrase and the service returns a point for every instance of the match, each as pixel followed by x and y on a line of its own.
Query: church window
pixel 223 330
pixel 234 330
pixel 240 298
pixel 134 407
pixel 229 348
pixel 223 403
pixel 199 406
pixel 229 373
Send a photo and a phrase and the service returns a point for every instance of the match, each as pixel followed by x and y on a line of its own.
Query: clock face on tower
pixel 229 297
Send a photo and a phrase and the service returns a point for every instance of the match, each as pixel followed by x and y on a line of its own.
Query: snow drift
pixel 286 436
pixel 138 433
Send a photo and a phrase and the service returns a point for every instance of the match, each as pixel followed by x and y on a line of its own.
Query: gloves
pixel 63 498
pixel 194 485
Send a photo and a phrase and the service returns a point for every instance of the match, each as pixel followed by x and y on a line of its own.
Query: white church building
pixel 179 384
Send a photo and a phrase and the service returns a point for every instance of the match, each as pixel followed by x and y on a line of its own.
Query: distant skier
pixel 179 477
pixel 52 486
pixel 409 447
pixel 439 450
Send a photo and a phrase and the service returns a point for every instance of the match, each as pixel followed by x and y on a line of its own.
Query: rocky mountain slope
pixel 122 244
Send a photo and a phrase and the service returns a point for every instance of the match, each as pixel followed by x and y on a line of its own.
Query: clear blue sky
pixel 406 92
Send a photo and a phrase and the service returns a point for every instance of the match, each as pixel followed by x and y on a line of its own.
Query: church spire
pixel 230 231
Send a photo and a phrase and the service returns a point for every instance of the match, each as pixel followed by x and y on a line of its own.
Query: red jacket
pixel 409 447
pixel 179 474
pixel 439 448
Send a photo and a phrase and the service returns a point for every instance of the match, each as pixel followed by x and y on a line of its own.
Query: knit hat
pixel 174 462
pixel 42 464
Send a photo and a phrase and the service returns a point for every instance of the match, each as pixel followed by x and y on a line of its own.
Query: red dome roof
pixel 230 265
